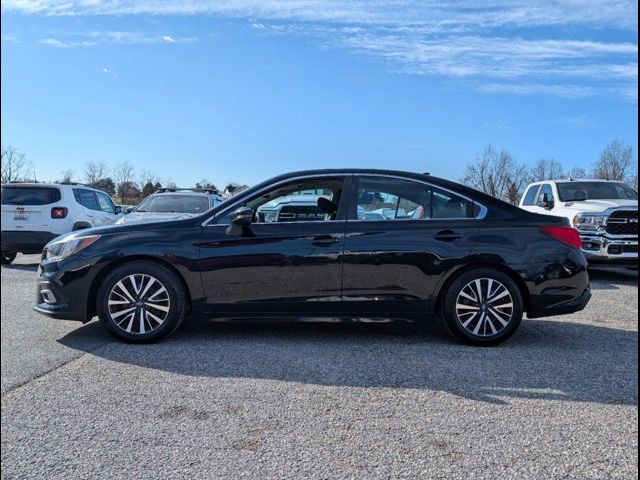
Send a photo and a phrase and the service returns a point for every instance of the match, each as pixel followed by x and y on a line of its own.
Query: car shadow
pixel 26 267
pixel 546 359
pixel 611 279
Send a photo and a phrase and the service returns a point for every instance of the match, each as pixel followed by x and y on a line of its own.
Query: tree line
pixel 498 173
pixel 121 180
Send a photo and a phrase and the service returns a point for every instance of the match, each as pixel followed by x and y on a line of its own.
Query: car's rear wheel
pixel 7 257
pixel 141 302
pixel 483 307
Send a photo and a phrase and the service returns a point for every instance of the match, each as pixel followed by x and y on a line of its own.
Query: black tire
pixel 129 330
pixel 7 257
pixel 486 328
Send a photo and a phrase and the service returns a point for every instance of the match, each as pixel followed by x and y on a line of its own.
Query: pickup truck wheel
pixel 141 302
pixel 483 307
pixel 7 257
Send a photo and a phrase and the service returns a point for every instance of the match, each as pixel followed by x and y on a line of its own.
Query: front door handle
pixel 447 236
pixel 324 240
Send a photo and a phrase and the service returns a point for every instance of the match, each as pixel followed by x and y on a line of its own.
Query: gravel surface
pixel 321 401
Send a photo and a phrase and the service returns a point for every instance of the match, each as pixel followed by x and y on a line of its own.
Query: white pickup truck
pixel 604 212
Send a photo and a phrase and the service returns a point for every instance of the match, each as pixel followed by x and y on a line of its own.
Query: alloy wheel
pixel 484 307
pixel 138 304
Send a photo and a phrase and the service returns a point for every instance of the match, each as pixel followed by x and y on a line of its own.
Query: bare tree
pixel 577 173
pixel 616 163
pixel 67 176
pixel 123 177
pixel 148 182
pixel 95 171
pixel 206 184
pixel 497 173
pixel 546 169
pixel 14 165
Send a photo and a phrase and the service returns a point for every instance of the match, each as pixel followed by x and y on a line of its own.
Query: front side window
pixel 86 198
pixel 315 200
pixel 546 189
pixel 382 199
pixel 105 203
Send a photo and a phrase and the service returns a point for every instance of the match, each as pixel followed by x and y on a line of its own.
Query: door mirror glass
pixel 129 209
pixel 117 210
pixel 242 217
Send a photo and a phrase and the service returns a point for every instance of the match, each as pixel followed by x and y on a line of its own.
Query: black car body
pixel 226 263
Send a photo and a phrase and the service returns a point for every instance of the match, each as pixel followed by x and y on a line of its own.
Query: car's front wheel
pixel 7 257
pixel 141 302
pixel 483 307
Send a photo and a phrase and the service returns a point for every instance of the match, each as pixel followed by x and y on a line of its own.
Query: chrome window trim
pixel 481 215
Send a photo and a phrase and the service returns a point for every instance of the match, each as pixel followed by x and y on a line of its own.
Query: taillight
pixel 59 212
pixel 567 235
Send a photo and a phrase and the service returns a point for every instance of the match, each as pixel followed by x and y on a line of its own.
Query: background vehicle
pixel 35 213
pixel 474 260
pixel 604 212
pixel 172 204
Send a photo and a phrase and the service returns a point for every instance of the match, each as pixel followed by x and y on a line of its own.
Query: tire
pixel 158 306
pixel 485 322
pixel 7 257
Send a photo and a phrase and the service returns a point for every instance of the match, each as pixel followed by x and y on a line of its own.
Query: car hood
pixel 597 206
pixel 146 217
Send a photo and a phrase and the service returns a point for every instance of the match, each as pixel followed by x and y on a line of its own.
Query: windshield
pixel 578 191
pixel 174 203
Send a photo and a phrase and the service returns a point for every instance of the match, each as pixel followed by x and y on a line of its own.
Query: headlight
pixel 60 250
pixel 586 221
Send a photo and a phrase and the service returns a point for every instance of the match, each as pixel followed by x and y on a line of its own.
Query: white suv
pixel 604 212
pixel 35 213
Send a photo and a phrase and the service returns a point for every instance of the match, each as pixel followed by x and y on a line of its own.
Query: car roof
pixel 580 180
pixel 185 192
pixel 50 185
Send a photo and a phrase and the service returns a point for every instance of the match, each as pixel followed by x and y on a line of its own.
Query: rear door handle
pixel 324 240
pixel 447 236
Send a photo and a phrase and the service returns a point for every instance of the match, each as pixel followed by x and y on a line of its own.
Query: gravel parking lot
pixel 321 401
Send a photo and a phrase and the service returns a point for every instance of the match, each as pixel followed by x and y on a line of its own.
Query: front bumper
pixel 606 250
pixel 25 241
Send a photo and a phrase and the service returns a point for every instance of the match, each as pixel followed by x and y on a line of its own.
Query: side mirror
pixel 544 201
pixel 242 217
pixel 117 210
pixel 130 209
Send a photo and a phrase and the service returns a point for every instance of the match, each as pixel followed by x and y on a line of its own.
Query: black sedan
pixel 324 244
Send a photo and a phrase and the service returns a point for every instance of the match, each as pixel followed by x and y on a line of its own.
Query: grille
pixel 623 222
pixel 300 214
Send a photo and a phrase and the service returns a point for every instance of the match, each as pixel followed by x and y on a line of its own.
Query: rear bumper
pixel 565 308
pixel 25 241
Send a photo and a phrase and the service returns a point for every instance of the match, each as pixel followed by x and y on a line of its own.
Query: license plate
pixel 21 217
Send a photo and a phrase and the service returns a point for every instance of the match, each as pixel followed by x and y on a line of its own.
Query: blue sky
pixel 243 90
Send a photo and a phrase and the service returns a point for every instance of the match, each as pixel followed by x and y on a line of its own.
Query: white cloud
pixel 96 38
pixel 506 46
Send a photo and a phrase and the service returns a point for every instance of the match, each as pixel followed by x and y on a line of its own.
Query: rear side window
pixel 546 188
pixel 86 198
pixel 30 195
pixel 105 203
pixel 382 199
pixel 531 196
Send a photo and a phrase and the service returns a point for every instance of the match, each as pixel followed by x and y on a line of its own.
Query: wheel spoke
pixel 156 318
pixel 502 295
pixel 479 324
pixel 462 306
pixel 122 312
pixel 159 307
pixel 124 290
pixel 149 284
pixel 469 320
